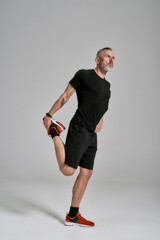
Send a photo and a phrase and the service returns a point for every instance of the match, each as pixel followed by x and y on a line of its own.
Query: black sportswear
pixel 93 93
pixel 73 211
pixel 80 147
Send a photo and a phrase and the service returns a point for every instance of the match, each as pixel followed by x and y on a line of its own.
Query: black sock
pixel 53 133
pixel 73 211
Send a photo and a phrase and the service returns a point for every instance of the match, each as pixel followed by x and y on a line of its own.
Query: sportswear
pixel 80 146
pixel 78 220
pixel 93 93
pixel 73 211
pixel 55 128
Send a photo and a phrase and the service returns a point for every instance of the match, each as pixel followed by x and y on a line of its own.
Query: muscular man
pixel 93 93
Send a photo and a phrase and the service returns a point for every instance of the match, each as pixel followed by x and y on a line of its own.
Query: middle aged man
pixel 93 93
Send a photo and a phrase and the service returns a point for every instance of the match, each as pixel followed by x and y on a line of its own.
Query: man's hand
pixel 46 122
pixel 99 125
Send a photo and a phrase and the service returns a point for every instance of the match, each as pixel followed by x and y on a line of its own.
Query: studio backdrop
pixel 42 44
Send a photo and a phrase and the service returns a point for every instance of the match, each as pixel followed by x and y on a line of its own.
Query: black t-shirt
pixel 93 93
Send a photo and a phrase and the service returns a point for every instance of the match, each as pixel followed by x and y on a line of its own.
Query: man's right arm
pixel 58 104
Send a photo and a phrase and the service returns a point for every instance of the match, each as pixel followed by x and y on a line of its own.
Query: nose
pixel 111 60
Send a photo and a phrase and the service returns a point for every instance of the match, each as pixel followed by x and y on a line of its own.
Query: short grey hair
pixel 99 51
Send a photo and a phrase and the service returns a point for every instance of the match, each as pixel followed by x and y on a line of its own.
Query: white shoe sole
pixel 76 224
pixel 57 124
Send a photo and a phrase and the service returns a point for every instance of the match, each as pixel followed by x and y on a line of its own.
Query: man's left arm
pixel 99 125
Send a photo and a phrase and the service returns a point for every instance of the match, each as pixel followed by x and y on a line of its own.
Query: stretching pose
pixel 93 93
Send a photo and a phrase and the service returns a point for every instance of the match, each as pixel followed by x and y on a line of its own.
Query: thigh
pixel 77 142
pixel 87 160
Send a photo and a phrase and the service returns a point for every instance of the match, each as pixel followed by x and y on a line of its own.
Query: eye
pixel 108 56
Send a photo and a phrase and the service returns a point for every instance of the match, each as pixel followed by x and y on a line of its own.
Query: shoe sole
pixel 76 224
pixel 58 124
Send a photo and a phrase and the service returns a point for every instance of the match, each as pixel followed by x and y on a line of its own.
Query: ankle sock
pixel 73 211
pixel 53 133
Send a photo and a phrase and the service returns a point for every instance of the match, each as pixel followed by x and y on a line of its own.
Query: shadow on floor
pixel 18 205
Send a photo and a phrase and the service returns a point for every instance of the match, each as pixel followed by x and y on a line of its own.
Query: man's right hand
pixel 46 122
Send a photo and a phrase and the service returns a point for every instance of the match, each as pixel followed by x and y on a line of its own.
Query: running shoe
pixel 78 220
pixel 55 128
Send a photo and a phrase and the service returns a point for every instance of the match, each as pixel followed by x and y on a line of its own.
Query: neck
pixel 100 72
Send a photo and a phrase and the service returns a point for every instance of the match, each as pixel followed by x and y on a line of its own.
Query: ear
pixel 97 60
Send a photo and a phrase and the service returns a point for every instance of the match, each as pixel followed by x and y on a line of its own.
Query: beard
pixel 106 68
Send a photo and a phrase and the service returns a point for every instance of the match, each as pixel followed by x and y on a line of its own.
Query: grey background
pixel 42 44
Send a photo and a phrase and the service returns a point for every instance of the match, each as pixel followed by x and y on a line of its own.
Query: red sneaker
pixel 55 128
pixel 78 220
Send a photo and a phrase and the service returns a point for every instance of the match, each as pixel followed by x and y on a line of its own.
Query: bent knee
pixel 67 171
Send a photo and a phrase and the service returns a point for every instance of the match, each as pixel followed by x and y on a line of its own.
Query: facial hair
pixel 106 68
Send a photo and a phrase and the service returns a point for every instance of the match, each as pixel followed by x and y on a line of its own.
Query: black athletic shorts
pixel 80 147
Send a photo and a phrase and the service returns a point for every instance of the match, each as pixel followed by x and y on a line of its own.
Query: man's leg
pixel 54 131
pixel 80 186
pixel 60 154
pixel 74 217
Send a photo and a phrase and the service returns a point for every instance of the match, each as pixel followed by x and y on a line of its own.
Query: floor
pixel 31 210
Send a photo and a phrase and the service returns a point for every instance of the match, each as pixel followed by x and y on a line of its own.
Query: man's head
pixel 105 59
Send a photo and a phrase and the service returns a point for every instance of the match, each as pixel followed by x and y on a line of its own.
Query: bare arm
pixel 59 103
pixel 62 99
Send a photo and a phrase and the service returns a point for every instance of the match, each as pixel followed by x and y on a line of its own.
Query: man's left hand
pixel 99 126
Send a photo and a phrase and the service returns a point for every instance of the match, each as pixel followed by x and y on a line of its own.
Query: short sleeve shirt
pixel 93 93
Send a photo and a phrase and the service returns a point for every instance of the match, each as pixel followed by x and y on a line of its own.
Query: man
pixel 93 93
